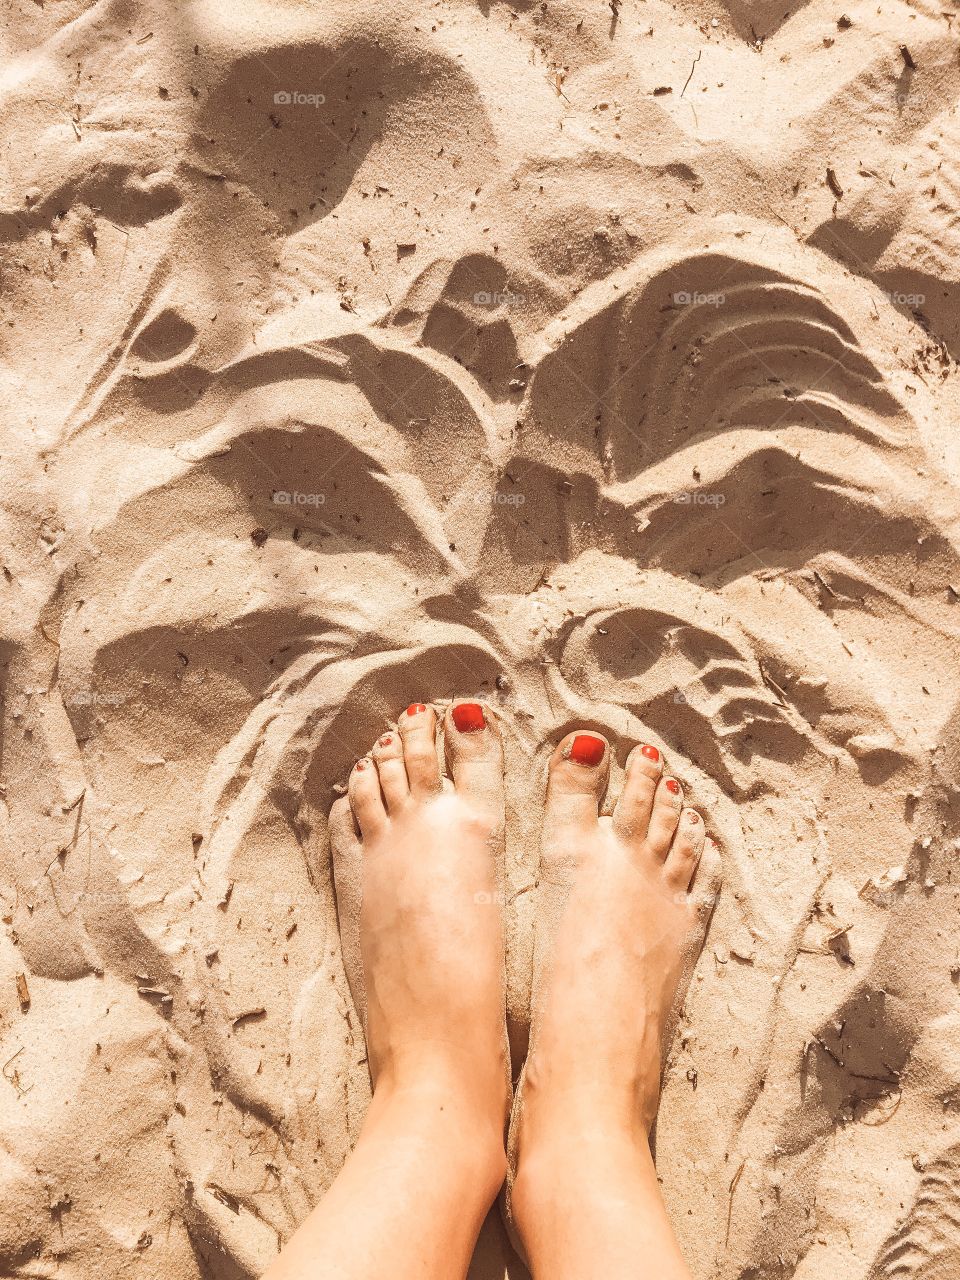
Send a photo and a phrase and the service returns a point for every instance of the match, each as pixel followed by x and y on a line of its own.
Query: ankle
pixel 416 1125
pixel 560 1106
pixel 572 1157
pixel 479 1089
pixel 564 1171
pixel 607 1184
pixel 464 1117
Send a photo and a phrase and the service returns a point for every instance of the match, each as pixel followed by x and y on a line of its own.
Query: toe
pixel 418 729
pixel 667 803
pixel 474 754
pixel 342 825
pixel 708 878
pixel 347 857
pixel 366 799
pixel 579 768
pixel 631 817
pixel 388 757
pixel 685 851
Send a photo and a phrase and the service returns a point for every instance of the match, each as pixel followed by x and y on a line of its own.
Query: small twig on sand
pixel 690 76
pixel 225 1197
pixel 875 1124
pixel 824 583
pixel 772 684
pixel 14 1075
pixel 733 1187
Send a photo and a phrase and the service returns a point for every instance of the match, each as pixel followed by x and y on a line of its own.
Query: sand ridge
pixel 595 360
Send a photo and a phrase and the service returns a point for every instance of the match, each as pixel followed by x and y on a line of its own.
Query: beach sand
pixel 593 359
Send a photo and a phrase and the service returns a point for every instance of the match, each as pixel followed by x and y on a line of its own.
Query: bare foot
pixel 418 895
pixel 417 870
pixel 625 903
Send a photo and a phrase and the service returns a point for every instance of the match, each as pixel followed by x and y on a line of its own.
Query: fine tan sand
pixel 595 359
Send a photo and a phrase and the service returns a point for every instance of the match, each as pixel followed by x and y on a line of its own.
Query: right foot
pixel 624 909
pixel 415 862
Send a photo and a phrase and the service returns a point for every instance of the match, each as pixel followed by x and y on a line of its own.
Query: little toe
pixel 474 754
pixel 664 816
pixel 366 799
pixel 685 851
pixel 577 779
pixel 418 729
pixel 388 757
pixel 342 827
pixel 347 857
pixel 631 817
pixel 708 879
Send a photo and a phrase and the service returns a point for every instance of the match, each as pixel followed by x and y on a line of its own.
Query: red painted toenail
pixel 415 708
pixel 361 764
pixel 693 816
pixel 586 749
pixel 386 740
pixel 468 717
pixel 650 752
pixel 673 786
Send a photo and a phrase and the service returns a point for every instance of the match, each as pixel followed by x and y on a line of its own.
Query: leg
pixel 629 924
pixel 418 886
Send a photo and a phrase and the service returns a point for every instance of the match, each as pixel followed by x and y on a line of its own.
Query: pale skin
pixel 410 1200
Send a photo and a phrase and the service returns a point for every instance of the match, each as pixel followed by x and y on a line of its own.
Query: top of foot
pixel 417 856
pixel 625 904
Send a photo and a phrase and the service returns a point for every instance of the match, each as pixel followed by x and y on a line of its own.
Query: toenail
pixel 415 708
pixel 650 752
pixel 361 764
pixel 386 740
pixel 468 717
pixel 673 786
pixel 586 749
pixel 692 815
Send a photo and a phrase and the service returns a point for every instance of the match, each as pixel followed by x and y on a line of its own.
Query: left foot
pixel 415 858
pixel 625 902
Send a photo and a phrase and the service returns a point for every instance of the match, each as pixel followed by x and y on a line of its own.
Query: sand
pixel 594 359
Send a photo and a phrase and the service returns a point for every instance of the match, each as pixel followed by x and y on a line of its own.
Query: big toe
pixel 577 779
pixel 474 754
